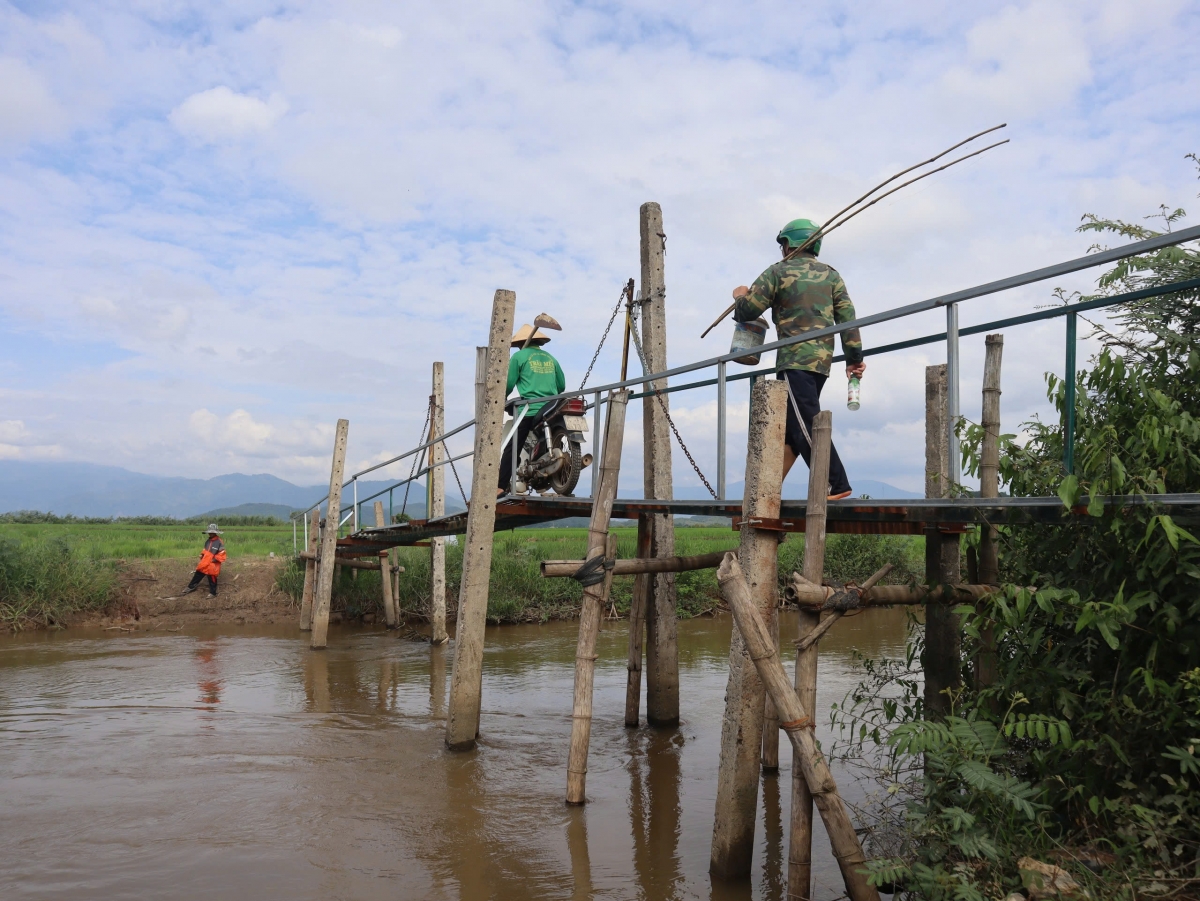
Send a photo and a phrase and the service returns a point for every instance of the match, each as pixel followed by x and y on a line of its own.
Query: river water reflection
pixel 234 763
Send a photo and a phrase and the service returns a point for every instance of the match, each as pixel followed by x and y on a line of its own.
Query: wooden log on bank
pixel 310 572
pixel 800 833
pixel 466 681
pixel 328 546
pixel 436 496
pixel 637 628
pixel 745 697
pixel 594 598
pixel 798 724
pixel 390 613
pixel 662 643
pixel 557 569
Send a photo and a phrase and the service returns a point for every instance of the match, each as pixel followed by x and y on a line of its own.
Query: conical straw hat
pixel 539 337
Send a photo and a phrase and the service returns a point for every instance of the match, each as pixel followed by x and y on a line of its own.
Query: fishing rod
pixel 834 222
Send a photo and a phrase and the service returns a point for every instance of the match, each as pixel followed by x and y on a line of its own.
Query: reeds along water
pixel 42 581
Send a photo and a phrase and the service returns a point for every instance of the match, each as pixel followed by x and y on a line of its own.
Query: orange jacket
pixel 212 558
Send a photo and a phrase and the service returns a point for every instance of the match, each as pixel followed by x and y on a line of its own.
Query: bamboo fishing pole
pixel 831 224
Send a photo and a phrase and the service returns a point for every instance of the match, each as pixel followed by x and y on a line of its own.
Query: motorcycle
pixel 551 457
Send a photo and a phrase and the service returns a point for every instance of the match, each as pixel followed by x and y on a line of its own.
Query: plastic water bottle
pixel 853 393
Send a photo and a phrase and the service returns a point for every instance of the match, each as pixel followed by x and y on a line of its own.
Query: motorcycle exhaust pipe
pixel 585 461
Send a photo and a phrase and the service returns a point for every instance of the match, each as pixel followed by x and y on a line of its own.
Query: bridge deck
pixel 863 517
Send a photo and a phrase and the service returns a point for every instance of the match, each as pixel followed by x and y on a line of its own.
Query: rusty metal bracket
pixel 767 524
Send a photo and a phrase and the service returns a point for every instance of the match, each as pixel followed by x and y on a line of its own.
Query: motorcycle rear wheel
pixel 564 481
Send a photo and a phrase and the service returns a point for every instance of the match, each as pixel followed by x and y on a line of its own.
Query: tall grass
pixel 518 593
pixel 41 582
pixel 138 541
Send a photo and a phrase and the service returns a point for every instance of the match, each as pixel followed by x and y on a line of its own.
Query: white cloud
pixel 221 114
pixel 27 108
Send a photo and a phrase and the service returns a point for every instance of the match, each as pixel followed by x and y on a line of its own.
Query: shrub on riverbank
pixel 42 582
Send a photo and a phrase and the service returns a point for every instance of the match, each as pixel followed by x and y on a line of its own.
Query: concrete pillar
pixel 436 498
pixel 328 547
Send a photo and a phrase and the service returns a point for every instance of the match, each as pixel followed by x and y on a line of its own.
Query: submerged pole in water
pixel 637 627
pixel 437 509
pixel 390 614
pixel 800 834
pixel 745 698
pixel 466 682
pixel 798 724
pixel 328 547
pixel 310 571
pixel 594 597
pixel 662 643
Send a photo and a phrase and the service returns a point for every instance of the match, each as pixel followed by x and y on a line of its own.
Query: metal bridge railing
pixel 951 336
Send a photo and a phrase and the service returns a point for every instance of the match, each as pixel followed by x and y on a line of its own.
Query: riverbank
pixel 64 575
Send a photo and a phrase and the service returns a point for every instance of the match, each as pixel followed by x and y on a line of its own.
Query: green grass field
pixel 127 541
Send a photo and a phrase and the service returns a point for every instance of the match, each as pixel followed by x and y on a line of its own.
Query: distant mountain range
pixel 87 489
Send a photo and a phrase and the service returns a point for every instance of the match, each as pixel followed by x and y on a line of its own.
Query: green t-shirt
pixel 534 373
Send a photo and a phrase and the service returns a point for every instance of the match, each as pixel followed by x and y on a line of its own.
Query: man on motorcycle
pixel 534 373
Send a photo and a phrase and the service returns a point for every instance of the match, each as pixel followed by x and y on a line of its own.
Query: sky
pixel 225 225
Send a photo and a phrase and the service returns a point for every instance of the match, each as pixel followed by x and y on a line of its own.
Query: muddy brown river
pixel 233 762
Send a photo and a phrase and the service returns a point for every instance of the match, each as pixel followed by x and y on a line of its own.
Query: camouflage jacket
pixel 803 294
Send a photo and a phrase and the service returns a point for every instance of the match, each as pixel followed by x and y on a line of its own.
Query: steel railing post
pixel 1069 404
pixel 721 431
pixel 952 396
pixel 355 481
pixel 295 549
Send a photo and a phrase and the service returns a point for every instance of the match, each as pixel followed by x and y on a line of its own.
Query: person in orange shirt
pixel 210 562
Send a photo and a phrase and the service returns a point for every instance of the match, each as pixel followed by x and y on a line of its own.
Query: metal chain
pixel 662 402
pixel 449 457
pixel 417 457
pixel 625 290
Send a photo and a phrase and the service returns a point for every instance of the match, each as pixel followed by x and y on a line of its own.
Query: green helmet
pixel 797 232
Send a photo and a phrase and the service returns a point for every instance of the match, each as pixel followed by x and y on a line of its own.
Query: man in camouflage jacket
pixel 804 294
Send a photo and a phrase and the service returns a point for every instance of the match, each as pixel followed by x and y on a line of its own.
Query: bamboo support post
pixel 390 616
pixel 466 681
pixel 310 571
pixel 437 509
pixel 557 569
pixel 770 735
pixel 594 597
pixel 988 567
pixel 800 833
pixel 802 644
pixel 942 628
pixel 745 698
pixel 662 650
pixel 328 546
pixel 637 627
pixel 798 724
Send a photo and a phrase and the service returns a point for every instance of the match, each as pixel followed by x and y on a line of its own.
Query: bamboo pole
pixel 310 572
pixel 390 616
pixel 466 681
pixel 328 546
pixel 770 736
pixel 745 698
pixel 594 597
pixel 437 508
pixel 986 665
pixel 662 649
pixel 798 725
pixel 637 626
pixel 800 834
pixel 813 597
pixel 557 569
pixel 356 563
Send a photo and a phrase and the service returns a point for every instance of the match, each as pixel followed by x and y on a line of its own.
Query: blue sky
pixel 223 226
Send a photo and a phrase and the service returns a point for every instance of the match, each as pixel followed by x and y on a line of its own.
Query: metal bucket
pixel 749 336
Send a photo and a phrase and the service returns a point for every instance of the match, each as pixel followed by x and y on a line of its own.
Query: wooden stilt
pixel 770 736
pixel 395 570
pixel 942 628
pixel 986 665
pixel 310 572
pixel 662 651
pixel 594 597
pixel 437 508
pixel 390 616
pixel 328 546
pixel 466 681
pixel 800 834
pixel 637 626
pixel 745 697
pixel 797 722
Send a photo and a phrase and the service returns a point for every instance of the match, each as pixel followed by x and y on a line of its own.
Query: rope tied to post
pixel 796 725
pixel 843 599
pixel 593 570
